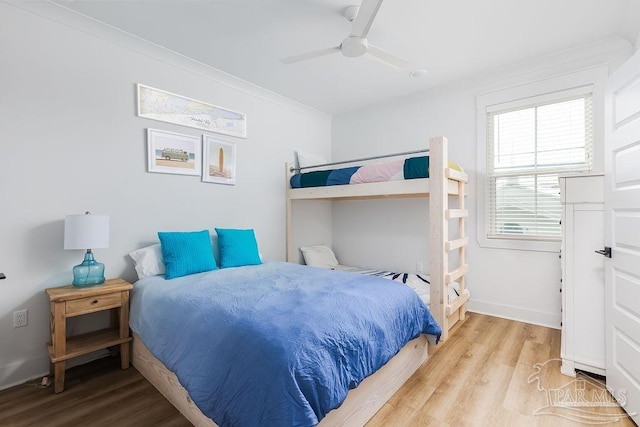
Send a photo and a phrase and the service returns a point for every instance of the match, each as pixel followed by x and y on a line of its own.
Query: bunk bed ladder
pixel 444 311
pixel 461 303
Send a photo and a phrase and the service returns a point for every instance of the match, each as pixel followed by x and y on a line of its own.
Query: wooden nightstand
pixel 68 301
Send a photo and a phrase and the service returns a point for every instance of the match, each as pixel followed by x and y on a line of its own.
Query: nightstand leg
pixel 59 342
pixel 124 355
pixel 59 377
pixel 124 330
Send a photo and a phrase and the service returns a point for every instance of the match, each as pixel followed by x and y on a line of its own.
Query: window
pixel 528 147
pixel 528 133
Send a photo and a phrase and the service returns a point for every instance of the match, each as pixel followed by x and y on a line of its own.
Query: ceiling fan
pixel 356 43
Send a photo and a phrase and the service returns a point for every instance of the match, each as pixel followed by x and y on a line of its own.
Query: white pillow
pixel 148 261
pixel 319 256
pixel 307 159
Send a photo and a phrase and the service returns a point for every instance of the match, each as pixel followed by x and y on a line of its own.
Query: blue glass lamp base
pixel 89 273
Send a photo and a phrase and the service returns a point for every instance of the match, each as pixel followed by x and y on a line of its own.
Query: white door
pixel 622 234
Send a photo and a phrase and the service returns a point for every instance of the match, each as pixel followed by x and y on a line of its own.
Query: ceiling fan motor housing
pixel 353 47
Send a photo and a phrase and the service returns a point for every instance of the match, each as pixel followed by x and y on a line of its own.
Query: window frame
pixel 590 80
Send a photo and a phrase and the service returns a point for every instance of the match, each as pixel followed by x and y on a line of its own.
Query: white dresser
pixel 583 340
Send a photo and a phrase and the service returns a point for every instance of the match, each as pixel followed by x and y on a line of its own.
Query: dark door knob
pixel 606 252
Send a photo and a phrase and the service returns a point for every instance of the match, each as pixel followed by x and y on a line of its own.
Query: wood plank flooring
pixel 484 375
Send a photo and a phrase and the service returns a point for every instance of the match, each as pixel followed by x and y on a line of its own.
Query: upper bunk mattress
pixel 411 168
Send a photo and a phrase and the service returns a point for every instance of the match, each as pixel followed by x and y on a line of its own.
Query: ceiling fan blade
pixel 310 55
pixel 366 14
pixel 387 57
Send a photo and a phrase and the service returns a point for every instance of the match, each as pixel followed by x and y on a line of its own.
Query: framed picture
pixel 218 161
pixel 168 107
pixel 169 152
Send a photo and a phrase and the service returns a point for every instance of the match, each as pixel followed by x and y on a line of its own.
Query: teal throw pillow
pixel 237 247
pixel 186 252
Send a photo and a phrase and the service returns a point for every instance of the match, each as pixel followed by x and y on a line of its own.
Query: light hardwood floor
pixel 484 375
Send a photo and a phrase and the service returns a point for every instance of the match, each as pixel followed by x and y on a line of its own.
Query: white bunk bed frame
pixel 443 185
pixel 363 402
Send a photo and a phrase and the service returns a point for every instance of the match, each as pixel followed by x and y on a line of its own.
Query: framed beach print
pixel 218 161
pixel 169 152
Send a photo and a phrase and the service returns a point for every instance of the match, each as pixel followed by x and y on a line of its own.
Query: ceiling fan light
pixel 418 72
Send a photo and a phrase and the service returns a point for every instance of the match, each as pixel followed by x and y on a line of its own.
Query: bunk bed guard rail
pixel 363 159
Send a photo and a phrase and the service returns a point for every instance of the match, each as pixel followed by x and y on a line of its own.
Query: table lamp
pixel 87 232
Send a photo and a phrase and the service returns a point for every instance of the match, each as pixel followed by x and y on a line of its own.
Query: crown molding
pixel 84 24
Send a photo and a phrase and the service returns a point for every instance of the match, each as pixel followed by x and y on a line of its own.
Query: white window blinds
pixel 528 147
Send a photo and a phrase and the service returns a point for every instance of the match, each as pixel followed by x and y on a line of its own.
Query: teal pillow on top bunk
pixel 416 167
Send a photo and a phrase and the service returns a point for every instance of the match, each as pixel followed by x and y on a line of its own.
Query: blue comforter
pixel 276 344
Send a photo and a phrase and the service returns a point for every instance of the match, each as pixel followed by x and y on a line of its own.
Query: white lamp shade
pixel 86 231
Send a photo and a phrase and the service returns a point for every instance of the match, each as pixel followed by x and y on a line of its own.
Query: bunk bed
pixel 363 401
pixel 446 189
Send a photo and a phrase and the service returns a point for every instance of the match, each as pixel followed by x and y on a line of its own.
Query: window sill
pixel 519 245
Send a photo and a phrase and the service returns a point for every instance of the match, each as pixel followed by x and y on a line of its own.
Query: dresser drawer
pixel 95 303
pixel 582 189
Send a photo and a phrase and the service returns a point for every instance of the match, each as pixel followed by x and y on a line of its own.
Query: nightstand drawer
pixel 90 304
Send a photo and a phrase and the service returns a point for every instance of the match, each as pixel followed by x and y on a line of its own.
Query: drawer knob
pixel 95 301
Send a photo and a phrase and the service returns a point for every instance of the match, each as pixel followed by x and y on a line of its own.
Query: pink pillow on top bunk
pixel 379 172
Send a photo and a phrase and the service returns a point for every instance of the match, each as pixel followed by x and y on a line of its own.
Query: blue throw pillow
pixel 237 247
pixel 186 252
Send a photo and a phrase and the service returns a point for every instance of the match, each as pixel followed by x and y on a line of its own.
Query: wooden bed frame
pixel 443 186
pixel 360 405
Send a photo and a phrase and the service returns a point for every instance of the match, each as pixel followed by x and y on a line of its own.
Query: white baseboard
pixel 550 320
pixel 25 370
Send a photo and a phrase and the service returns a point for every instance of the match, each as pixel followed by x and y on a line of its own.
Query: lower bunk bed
pixel 278 343
pixel 322 256
pixel 455 295
pixel 433 177
pixel 420 283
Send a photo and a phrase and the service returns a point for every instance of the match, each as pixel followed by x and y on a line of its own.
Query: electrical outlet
pixel 20 318
pixel 419 267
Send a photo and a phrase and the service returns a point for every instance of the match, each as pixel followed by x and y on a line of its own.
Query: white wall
pixel 522 285
pixel 70 141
